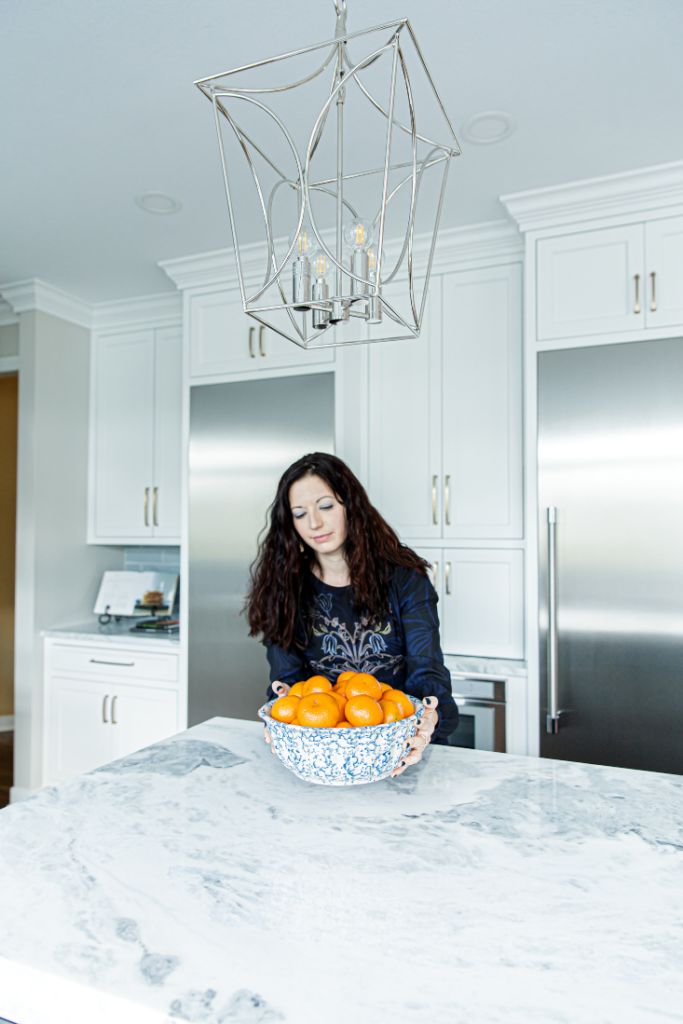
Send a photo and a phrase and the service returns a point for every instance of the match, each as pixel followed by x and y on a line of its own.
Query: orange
pixel 341 701
pixel 285 708
pixel 295 722
pixel 385 687
pixel 318 711
pixel 404 704
pixel 363 682
pixel 317 684
pixel 343 725
pixel 390 710
pixel 363 710
pixel 297 690
pixel 342 680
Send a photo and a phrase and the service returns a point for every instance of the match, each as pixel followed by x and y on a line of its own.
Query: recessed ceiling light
pixel 158 202
pixel 491 126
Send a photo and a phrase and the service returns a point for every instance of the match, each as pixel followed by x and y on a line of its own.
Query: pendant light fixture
pixel 335 159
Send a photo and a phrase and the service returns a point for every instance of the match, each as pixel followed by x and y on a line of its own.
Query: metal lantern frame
pixel 364 299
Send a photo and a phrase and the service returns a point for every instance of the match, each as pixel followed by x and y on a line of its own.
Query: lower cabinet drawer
pixel 114 663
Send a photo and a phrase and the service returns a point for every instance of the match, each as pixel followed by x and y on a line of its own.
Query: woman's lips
pixel 322 538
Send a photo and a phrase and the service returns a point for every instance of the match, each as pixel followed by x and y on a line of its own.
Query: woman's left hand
pixel 417 744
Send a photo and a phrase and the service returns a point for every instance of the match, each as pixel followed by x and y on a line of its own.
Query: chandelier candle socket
pixel 307 140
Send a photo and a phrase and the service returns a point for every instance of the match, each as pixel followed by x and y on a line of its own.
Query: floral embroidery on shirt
pixel 359 651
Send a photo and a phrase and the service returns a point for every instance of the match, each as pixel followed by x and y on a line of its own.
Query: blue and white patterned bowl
pixel 341 757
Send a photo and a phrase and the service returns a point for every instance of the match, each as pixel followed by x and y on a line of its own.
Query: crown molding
pixel 36 294
pixel 632 193
pixel 160 310
pixel 455 248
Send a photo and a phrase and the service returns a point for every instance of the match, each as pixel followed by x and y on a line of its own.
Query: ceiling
pixel 98 106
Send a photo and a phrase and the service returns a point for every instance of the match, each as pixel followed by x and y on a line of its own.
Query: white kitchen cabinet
pixel 591 282
pixel 445 413
pixel 610 280
pixel 103 702
pixel 223 339
pixel 482 607
pixel 482 403
pixel 135 437
pixel 664 268
pixel 404 427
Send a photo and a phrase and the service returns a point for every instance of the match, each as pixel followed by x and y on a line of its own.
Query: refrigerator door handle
pixel 553 718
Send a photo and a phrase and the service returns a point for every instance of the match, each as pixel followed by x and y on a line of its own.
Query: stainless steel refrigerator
pixel 243 436
pixel 610 454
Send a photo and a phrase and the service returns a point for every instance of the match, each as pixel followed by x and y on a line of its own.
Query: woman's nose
pixel 316 519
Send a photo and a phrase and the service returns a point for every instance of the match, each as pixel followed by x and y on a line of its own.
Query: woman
pixel 333 589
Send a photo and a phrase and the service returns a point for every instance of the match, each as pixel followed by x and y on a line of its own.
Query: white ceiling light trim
pixel 158 202
pixel 489 126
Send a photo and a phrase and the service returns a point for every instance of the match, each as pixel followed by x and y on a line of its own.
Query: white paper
pixel 121 593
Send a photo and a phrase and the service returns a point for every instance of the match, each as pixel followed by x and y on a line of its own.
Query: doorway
pixel 9 403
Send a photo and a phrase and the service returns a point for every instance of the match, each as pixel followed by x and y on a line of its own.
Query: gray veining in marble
pixel 200 881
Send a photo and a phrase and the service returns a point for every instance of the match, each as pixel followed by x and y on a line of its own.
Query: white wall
pixel 57 572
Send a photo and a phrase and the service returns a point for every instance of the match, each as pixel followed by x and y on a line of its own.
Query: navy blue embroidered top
pixel 403 650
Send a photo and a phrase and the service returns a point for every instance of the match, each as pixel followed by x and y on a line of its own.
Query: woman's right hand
pixel 280 690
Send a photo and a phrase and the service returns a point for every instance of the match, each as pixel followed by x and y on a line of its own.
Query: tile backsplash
pixel 154 559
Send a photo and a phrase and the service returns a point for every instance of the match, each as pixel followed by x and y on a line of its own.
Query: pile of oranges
pixel 356 699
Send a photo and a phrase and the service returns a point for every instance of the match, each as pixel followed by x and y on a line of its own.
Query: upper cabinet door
pixel 591 283
pixel 664 253
pixel 123 424
pixel 168 402
pixel 404 426
pixel 482 403
pixel 274 351
pixel 223 339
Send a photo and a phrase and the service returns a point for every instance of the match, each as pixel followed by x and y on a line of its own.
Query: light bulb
pixel 305 242
pixel 358 234
pixel 321 292
pixel 374 304
pixel 305 246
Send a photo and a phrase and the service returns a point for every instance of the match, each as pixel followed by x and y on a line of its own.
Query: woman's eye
pixel 324 508
pixel 299 515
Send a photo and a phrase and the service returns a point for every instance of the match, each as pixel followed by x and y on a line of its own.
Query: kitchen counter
pixel 198 880
pixel 115 633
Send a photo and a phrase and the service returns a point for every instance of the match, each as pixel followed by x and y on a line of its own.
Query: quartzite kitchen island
pixel 200 881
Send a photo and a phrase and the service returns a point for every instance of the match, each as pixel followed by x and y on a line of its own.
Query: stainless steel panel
pixel 243 436
pixel 610 453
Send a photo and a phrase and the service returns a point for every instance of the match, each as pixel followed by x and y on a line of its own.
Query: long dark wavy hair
pixel 281 594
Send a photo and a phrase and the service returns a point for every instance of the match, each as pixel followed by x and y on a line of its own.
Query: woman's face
pixel 319 516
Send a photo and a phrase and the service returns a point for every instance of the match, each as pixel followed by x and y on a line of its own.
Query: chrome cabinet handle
pixel 154 506
pixel 146 506
pixel 637 306
pixel 448 500
pixel 251 342
pixel 448 578
pixel 653 305
pixel 434 479
pixel 123 664
pixel 553 718
pixel 113 711
pixel 260 341
pixel 104 709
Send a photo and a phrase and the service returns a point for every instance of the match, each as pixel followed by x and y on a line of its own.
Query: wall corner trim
pixel 632 193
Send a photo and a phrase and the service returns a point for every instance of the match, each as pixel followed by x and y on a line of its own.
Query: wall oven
pixel 481 703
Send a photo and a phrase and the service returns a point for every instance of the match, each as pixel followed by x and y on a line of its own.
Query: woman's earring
pixel 301 547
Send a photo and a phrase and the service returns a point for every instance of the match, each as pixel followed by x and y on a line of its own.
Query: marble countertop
pixel 116 633
pixel 200 881
pixel 498 668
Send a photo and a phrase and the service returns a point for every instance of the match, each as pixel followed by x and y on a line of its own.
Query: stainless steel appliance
pixel 243 436
pixel 610 451
pixel 481 704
